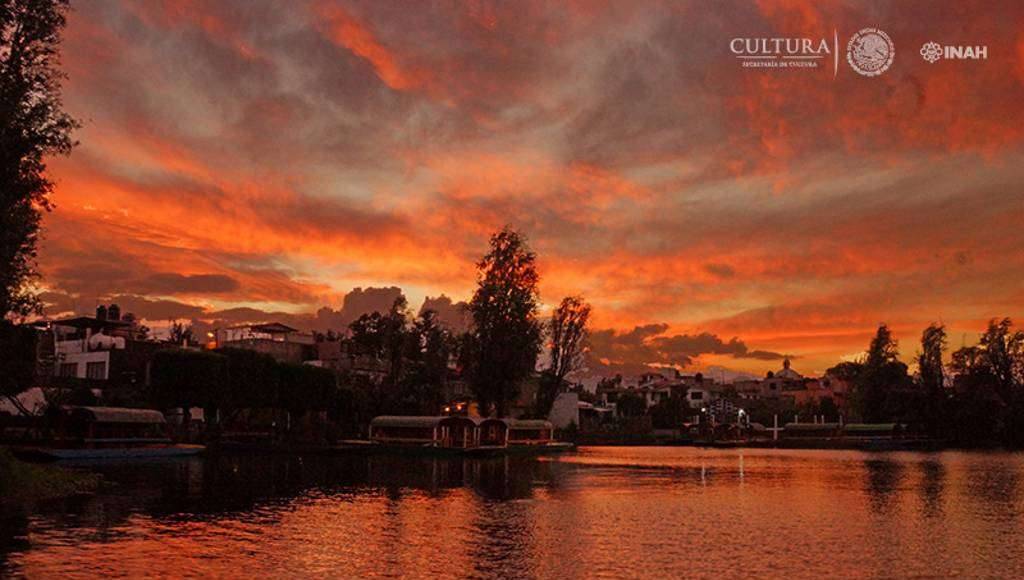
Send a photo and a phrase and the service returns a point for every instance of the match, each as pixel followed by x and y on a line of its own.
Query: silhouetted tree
pixel 506 335
pixel 180 334
pixel 932 378
pixel 990 387
pixel 671 412
pixel 252 381
pixel 567 332
pixel 846 370
pixel 630 404
pixel 17 361
pixel 187 378
pixel 33 125
pixel 1003 351
pixel 430 346
pixel 881 385
pixel 305 388
pixel 384 336
pixel 929 362
pixel 883 349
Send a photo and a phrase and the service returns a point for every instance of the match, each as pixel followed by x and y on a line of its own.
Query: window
pixel 68 369
pixel 96 370
pixel 696 395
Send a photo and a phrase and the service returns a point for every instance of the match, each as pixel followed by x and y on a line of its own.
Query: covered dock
pixel 441 431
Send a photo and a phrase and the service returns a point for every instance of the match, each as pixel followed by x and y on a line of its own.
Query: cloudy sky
pixel 249 160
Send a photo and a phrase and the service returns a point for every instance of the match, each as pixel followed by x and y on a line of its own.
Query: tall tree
pixel 384 336
pixel 17 361
pixel 506 335
pixel 929 362
pixel 567 332
pixel 883 348
pixel 882 382
pixel 1004 356
pixel 932 378
pixel 434 346
pixel 989 379
pixel 33 125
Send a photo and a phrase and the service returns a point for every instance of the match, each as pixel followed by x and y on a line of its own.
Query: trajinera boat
pixel 461 435
pixel 110 433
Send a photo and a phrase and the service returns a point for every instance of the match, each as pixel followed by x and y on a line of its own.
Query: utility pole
pixel 775 428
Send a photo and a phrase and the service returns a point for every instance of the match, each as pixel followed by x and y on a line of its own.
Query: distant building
pixel 787 373
pixel 280 341
pixel 699 396
pixel 568 410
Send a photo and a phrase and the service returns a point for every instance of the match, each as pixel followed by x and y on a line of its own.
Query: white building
pixel 83 346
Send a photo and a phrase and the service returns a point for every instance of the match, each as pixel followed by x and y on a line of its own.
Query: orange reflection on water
pixel 611 512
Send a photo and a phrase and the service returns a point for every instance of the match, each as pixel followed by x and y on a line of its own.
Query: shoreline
pixel 23 484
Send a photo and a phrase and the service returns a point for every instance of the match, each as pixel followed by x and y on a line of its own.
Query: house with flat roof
pixel 282 342
pixel 105 348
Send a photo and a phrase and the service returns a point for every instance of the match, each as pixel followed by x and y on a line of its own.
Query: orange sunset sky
pixel 251 160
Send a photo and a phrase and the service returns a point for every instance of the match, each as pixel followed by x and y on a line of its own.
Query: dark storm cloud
pixel 638 349
pixel 356 303
pixel 171 283
pixel 455 315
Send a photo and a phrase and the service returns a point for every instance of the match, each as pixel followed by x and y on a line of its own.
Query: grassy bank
pixel 23 483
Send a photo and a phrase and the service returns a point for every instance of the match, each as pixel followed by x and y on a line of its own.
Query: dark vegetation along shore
pixel 23 484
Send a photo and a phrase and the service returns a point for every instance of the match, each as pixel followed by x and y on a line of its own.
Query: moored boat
pixel 110 433
pixel 454 435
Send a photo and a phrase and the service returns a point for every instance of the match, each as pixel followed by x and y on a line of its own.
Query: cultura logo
pixel 931 52
pixel 870 52
pixel 784 53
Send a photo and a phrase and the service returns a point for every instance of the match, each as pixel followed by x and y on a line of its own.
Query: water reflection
pixel 933 474
pixel 604 511
pixel 883 478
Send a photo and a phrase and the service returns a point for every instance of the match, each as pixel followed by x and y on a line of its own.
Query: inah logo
pixel 870 52
pixel 931 51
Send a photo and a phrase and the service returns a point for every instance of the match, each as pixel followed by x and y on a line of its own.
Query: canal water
pixel 631 512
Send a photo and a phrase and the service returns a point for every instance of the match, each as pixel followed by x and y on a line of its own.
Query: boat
pixel 146 452
pixel 457 435
pixel 517 437
pixel 86 432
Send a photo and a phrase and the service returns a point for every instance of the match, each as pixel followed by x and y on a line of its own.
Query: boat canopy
pixel 870 427
pixel 412 421
pixel 811 426
pixel 443 431
pixel 117 415
pixel 529 431
pixel 528 424
pixel 458 431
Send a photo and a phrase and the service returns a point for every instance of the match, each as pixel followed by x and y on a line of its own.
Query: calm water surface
pixel 604 512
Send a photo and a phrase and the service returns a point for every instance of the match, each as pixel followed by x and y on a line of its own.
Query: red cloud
pixel 274 163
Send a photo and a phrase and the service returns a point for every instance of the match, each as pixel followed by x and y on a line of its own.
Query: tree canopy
pixel 187 378
pixel 505 339
pixel 17 360
pixel 567 332
pixel 33 125
pixel 989 385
